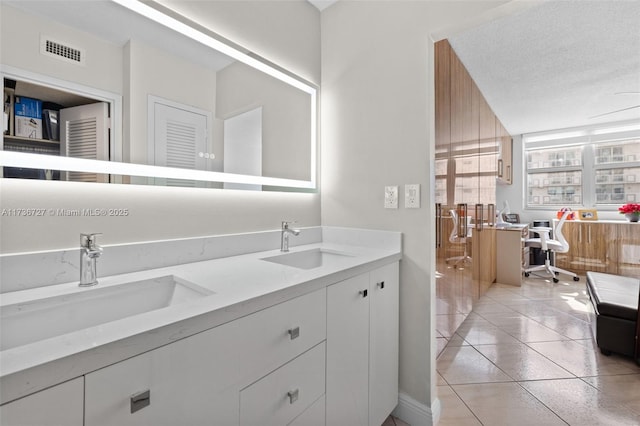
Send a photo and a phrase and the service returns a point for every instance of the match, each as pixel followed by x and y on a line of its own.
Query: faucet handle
pixel 285 224
pixel 89 240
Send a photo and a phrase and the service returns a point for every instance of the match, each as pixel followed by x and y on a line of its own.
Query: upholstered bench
pixel 615 304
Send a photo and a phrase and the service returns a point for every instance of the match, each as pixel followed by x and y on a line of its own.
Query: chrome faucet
pixel 89 252
pixel 284 235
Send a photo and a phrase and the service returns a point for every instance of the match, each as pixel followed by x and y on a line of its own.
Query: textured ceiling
pixel 557 64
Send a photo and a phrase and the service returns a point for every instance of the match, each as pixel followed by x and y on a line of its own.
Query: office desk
pixel 512 255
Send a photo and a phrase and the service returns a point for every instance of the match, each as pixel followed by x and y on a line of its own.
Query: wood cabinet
pixel 505 155
pixel 362 348
pixel 512 254
pixel 468 138
pixel 483 253
pixel 58 405
pixel 629 249
pixel 592 247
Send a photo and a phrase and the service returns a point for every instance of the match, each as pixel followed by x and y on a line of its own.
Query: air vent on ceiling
pixel 59 50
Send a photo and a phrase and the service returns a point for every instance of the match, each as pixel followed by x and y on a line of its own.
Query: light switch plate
pixel 412 196
pixel 390 197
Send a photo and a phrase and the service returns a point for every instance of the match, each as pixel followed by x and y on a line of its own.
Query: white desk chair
pixel 457 237
pixel 557 245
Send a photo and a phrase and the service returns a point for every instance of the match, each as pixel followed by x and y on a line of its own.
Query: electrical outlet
pixel 390 197
pixel 412 196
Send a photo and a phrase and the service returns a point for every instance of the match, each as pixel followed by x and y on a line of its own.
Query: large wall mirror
pixel 130 92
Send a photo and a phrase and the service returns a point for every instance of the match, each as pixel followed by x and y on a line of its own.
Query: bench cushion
pixel 613 295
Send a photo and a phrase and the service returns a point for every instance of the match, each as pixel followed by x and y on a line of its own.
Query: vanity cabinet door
pixel 348 352
pixel 384 343
pixel 362 348
pixel 58 405
pixel 189 382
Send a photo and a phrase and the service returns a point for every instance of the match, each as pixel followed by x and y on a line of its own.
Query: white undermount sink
pixel 39 319
pixel 308 259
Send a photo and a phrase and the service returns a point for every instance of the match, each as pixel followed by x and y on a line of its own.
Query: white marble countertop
pixel 242 284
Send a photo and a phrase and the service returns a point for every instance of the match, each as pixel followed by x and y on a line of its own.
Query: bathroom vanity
pixel 308 337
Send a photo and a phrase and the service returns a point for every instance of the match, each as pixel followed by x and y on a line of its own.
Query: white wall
pixel 20 48
pixel 377 130
pixel 153 71
pixel 284 32
pixel 159 213
pixel 286 119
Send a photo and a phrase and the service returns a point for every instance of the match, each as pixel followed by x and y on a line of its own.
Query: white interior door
pixel 243 147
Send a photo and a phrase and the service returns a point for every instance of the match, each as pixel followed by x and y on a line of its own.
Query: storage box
pixel 28 117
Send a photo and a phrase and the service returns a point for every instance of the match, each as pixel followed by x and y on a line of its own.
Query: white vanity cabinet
pixel 204 379
pixel 189 382
pixel 362 348
pixel 58 405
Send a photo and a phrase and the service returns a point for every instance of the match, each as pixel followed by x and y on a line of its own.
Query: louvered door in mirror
pixel 84 133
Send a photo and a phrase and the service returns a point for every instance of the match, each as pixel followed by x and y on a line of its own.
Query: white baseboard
pixel 416 413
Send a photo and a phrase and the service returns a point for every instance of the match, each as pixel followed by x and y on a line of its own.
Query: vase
pixel 632 217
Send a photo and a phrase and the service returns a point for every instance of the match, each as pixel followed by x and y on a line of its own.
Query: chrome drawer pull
pixel 293 395
pixel 140 400
pixel 381 285
pixel 363 293
pixel 294 333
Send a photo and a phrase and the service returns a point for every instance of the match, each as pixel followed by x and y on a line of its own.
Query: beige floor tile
pixel 624 389
pixel 507 297
pixel 457 340
pixel 579 403
pixel 485 334
pixel 441 343
pixel 446 325
pixel 566 325
pixel 581 360
pixel 522 363
pixel 440 381
pixel 454 411
pixel 466 365
pixel 507 404
pixel 491 308
pixel 527 330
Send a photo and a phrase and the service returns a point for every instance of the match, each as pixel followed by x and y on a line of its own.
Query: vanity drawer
pixel 283 395
pixel 313 416
pixel 269 338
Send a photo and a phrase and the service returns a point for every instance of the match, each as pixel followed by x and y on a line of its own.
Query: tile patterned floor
pixel 525 356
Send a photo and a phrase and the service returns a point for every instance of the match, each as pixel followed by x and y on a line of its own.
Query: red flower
pixel 629 208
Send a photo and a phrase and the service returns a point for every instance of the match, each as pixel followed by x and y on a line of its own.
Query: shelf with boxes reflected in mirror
pixel 31 123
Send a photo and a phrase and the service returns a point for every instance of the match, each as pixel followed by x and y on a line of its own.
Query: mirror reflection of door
pixel 179 140
pixel 84 133
pixel 243 147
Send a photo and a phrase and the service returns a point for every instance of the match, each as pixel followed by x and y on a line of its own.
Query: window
pixel 591 168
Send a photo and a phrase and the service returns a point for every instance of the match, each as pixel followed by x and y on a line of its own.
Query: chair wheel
pixel 576 278
pixel 555 280
pixel 557 273
pixel 526 274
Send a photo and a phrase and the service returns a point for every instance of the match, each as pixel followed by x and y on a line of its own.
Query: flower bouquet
pixel 631 211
